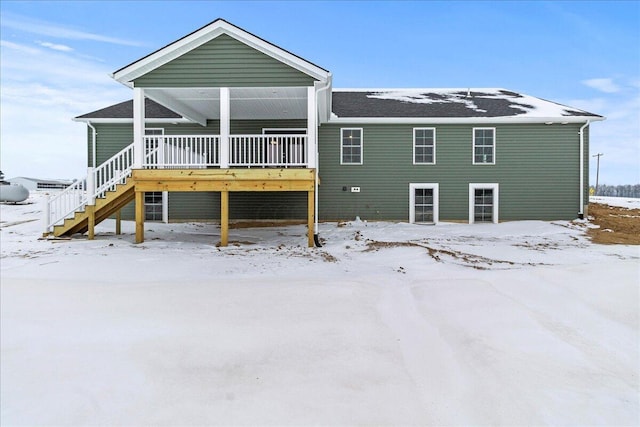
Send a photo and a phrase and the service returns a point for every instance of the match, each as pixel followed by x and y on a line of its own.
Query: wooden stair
pixel 106 206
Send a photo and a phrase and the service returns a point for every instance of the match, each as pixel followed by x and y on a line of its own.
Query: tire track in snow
pixel 428 359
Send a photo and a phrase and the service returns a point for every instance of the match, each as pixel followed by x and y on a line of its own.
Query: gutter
pixel 316 235
pixel 581 210
pixel 463 120
pixel 130 120
pixel 93 144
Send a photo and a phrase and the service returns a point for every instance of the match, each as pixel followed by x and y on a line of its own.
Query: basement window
pixel 483 203
pixel 153 206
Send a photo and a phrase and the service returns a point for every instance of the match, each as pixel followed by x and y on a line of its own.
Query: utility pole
pixel 598 169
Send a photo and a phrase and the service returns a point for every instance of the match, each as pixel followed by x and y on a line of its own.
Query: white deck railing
pixel 84 191
pixel 173 152
pixel 182 151
pixel 268 150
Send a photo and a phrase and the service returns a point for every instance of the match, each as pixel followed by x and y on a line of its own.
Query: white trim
pixel 225 126
pixel 361 146
pixel 312 126
pixel 496 199
pixel 414 145
pixel 460 120
pixel 178 48
pixel 94 134
pixel 473 146
pixel 151 134
pixel 581 134
pixel 138 127
pixel 284 130
pixel 165 207
pixel 391 120
pixel 412 200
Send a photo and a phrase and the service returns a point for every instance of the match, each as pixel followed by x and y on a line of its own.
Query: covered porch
pixel 274 147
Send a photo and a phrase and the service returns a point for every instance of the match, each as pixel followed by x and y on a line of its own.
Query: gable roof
pixel 462 105
pixel 207 33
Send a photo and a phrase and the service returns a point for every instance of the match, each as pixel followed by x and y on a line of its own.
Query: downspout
pixel 93 145
pixel 316 235
pixel 581 211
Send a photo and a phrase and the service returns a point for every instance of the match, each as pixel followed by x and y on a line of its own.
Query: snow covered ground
pixel 387 324
pixel 623 202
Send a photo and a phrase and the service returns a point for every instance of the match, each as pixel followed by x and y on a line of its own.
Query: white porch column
pixel 312 127
pixel 138 127
pixel 225 126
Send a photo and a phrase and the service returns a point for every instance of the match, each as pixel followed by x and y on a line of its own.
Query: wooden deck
pixel 223 181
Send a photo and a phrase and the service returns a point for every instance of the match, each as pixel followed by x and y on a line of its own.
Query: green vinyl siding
pixel 536 167
pixel 224 62
pixel 248 205
pixel 194 206
pixel 243 127
pixel 268 205
pixel 110 139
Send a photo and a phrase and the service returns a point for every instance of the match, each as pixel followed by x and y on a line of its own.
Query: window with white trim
pixel 484 146
pixel 424 146
pixel 483 203
pixel 351 146
pixel 423 203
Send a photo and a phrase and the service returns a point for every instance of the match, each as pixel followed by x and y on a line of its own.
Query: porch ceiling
pixel 259 103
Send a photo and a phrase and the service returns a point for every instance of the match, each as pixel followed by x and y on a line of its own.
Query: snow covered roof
pixel 42 181
pixel 396 104
pixel 446 103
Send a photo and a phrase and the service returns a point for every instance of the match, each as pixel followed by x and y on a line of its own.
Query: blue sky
pixel 55 60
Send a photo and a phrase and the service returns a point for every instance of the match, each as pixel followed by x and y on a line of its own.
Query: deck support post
pixel 139 216
pixel 224 218
pixel 91 218
pixel 119 222
pixel 311 208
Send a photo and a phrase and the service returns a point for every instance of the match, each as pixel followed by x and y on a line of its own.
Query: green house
pixel 225 125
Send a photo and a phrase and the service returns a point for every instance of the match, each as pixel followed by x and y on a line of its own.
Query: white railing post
pixel 91 186
pixel 225 125
pixel 47 214
pixel 138 128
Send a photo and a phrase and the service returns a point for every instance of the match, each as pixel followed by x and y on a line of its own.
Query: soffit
pixel 245 103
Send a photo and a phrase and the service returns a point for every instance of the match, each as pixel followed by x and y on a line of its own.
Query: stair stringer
pixel 106 206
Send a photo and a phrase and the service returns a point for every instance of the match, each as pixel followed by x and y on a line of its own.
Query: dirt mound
pixel 617 225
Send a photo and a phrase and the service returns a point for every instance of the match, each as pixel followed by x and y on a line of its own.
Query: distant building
pixel 41 184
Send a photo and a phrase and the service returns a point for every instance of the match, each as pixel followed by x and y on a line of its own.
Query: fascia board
pixel 464 120
pixel 167 54
pixel 129 120
pixel 179 48
pixel 277 53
